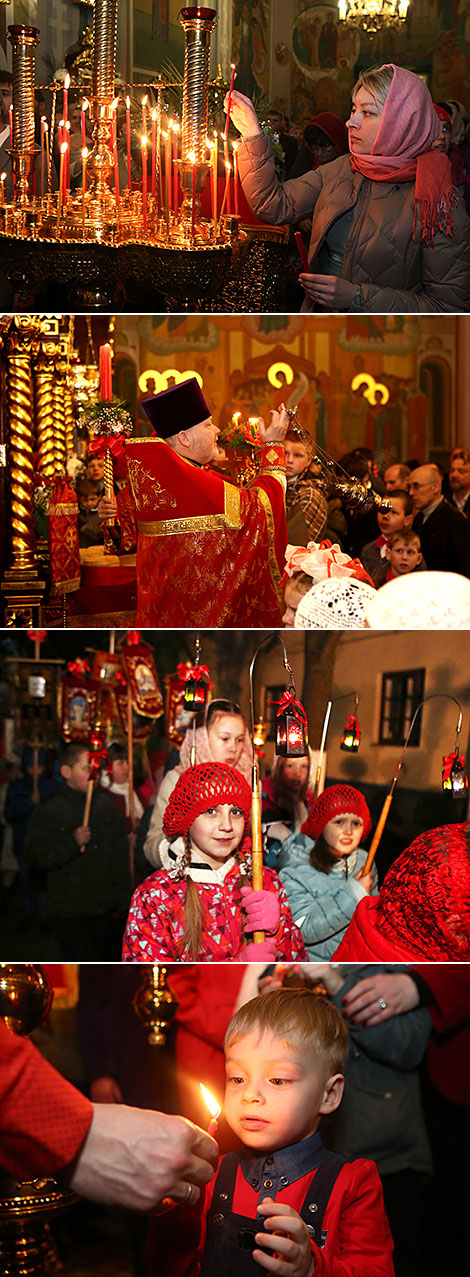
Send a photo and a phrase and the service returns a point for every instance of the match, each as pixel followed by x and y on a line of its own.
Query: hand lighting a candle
pixel 214 1109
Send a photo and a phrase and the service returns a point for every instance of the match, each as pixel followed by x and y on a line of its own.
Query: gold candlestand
pixel 155 1005
pixel 23 153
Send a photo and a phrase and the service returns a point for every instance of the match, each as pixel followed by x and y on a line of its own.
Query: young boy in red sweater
pixel 283 1205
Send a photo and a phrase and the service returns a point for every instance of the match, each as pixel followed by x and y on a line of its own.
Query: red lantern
pixel 351 737
pixel 454 776
pixel 291 728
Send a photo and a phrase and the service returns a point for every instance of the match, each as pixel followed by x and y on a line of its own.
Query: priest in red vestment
pixel 208 553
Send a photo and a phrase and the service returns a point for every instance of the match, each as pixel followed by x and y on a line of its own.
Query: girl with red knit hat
pixel 322 868
pixel 202 905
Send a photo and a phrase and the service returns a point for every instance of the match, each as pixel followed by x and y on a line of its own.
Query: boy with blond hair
pixel 283 1204
pixel 403 554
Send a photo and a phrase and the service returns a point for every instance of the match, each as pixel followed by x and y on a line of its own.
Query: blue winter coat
pixel 321 904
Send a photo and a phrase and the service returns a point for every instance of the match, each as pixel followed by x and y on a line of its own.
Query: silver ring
pixel 382 1004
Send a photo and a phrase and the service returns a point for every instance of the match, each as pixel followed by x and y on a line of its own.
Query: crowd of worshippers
pixel 173 880
pixel 422 527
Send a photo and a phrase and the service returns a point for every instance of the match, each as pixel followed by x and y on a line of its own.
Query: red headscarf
pixel 423 908
pixel 402 153
pixel 336 800
pixel 201 787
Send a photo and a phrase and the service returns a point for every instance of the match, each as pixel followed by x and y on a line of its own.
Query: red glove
pixel 264 952
pixel 262 910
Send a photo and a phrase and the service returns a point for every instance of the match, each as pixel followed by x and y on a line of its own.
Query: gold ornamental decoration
pixel 21 343
pixel 44 379
pixel 155 1004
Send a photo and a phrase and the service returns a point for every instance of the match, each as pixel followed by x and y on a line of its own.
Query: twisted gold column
pixel 44 377
pixel 100 199
pixel 58 398
pixel 23 40
pixel 69 420
pixel 20 342
pixel 198 25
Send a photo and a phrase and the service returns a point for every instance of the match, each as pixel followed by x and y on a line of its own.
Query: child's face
pixel 120 770
pixel 275 1092
pixel 295 772
pixel 297 458
pixel 226 736
pixel 217 832
pixel 88 500
pixel 395 519
pixel 403 557
pixel 292 597
pixel 78 774
pixel 343 834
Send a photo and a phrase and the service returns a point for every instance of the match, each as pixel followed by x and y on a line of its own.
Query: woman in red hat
pixel 201 905
pixel 323 868
pixel 389 231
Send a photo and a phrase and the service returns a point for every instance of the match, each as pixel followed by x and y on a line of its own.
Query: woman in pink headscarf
pixel 389 232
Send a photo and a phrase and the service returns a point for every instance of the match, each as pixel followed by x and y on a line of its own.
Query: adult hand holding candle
pixel 214 1109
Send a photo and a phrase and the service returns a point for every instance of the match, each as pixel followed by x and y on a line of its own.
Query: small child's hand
pixel 82 836
pixel 291 1254
pixel 366 881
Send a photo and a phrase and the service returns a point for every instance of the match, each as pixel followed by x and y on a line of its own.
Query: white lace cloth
pixel 421 601
pixel 335 604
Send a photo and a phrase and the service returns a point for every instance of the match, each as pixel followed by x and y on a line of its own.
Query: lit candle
pixel 105 372
pixel 10 121
pixel 63 152
pixel 84 160
pixel 2 188
pixel 144 144
pixel 229 99
pixel 167 180
pixel 60 132
pixel 227 166
pixel 65 107
pixel 214 1109
pixel 67 159
pixel 175 170
pixel 85 105
pixel 128 140
pixel 43 122
pixel 115 160
pixel 154 152
pixel 235 177
pixel 46 135
pixel 192 158
pixel 215 174
pixel 227 180
pixel 144 115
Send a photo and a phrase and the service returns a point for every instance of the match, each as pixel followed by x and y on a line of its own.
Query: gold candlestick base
pixel 155 1004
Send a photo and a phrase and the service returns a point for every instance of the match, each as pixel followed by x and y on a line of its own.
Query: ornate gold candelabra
pixel 27 1248
pixel 155 1004
pixel 99 215
pixel 23 153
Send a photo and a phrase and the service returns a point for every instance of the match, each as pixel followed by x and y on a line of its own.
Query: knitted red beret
pixel 200 787
pixel 336 801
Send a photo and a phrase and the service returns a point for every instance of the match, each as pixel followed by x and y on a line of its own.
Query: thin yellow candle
pixel 2 188
pixel 84 160
pixel 227 180
pixel 63 151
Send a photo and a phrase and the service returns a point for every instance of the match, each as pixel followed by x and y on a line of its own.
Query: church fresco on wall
pixel 434 41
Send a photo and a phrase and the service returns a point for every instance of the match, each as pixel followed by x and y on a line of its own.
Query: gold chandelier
pixel 372 15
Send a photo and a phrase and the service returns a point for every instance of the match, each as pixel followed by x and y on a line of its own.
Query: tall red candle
pixel 128 139
pixel 144 141
pixel 175 170
pixel 154 152
pixel 65 108
pixel 192 157
pixel 83 122
pixel 229 99
pixel 115 161
pixel 105 372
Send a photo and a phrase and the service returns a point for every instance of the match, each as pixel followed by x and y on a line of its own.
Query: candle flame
pixel 128 103
pixel 144 100
pixel 191 156
pixel 67 81
pixel 115 104
pixel 2 177
pixel 144 140
pixel 214 1108
pixel 84 152
pixel 228 166
pixel 61 122
pixel 64 148
pixel 253 421
pixel 176 127
pixel 85 105
pixel 154 116
pixel 67 125
pixel 43 119
pixel 235 146
pixel 235 417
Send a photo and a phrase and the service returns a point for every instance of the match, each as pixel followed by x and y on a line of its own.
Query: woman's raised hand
pixel 243 114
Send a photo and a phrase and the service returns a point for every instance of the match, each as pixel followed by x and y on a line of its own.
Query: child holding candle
pixel 201 904
pixel 284 1204
pixel 323 868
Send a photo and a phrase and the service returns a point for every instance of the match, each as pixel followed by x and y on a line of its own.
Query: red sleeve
pixel 127 524
pixel 43 1119
pixel 450 984
pixel 358 1242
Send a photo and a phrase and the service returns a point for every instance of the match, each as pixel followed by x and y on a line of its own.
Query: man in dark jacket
pixel 23 794
pixel 87 866
pixel 444 532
